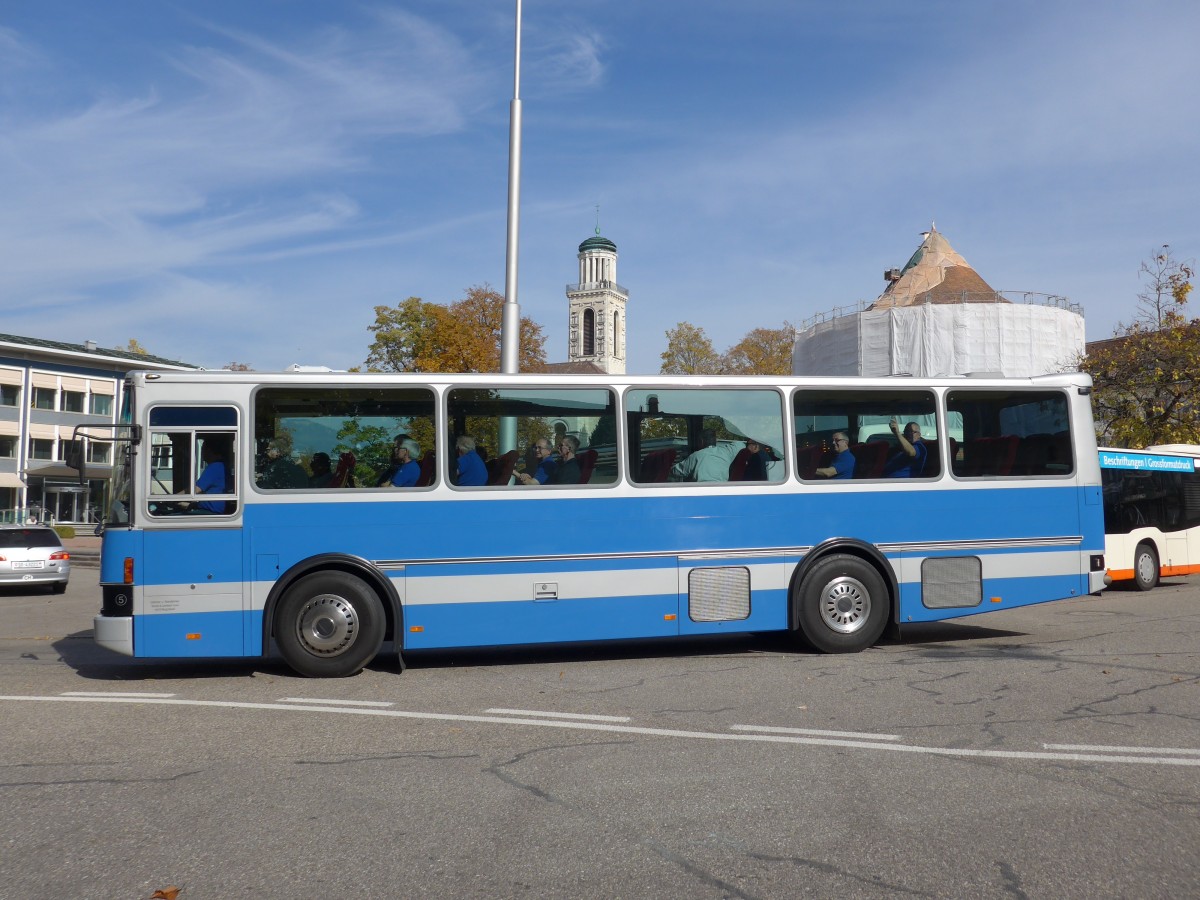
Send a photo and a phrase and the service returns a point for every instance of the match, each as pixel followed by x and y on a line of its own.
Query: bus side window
pixel 711 435
pixel 333 437
pixel 577 425
pixel 837 425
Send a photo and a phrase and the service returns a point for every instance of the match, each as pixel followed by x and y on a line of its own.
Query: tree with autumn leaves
pixel 763 351
pixel 1146 376
pixel 464 336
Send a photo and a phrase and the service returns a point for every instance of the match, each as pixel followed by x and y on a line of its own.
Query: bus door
pixel 190 571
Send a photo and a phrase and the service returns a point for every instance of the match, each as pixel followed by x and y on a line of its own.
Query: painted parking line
pixel 747 737
pixel 336 702
pixel 143 694
pixel 1092 748
pixel 816 732
pixel 578 717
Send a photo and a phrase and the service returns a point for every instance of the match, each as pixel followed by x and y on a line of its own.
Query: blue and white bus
pixel 273 551
pixel 1151 513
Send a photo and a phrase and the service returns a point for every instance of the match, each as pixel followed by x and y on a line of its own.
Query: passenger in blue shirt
pixel 909 462
pixel 472 471
pixel 842 465
pixel 545 466
pixel 408 470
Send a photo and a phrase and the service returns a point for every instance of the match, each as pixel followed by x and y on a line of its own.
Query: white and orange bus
pixel 1151 512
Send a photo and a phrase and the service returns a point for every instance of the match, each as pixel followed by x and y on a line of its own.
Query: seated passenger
pixel 322 471
pixel 709 463
pixel 842 465
pixel 567 471
pixel 472 471
pixel 760 458
pixel 406 454
pixel 909 462
pixel 385 478
pixel 280 472
pixel 546 464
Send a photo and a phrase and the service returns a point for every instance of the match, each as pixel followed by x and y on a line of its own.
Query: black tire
pixel 59 587
pixel 844 604
pixel 329 625
pixel 1145 567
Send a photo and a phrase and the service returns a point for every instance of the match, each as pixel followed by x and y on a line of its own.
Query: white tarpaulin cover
pixel 933 339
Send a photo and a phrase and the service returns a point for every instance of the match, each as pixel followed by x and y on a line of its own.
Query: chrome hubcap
pixel 327 625
pixel 845 605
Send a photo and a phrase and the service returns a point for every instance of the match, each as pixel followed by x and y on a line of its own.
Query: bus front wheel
pixel 1145 567
pixel 329 625
pixel 843 604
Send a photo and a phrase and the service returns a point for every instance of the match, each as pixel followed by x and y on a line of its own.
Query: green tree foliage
pixel 1147 376
pixel 416 336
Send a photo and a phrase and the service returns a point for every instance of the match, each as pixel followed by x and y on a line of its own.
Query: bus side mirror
pixel 77 456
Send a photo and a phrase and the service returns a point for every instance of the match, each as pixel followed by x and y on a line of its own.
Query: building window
pixel 72 401
pixel 43 398
pixel 98 453
pixel 101 405
pixel 8 447
pixel 40 448
pixel 589 332
pixel 9 394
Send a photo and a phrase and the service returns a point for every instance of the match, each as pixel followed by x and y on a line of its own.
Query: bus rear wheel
pixel 329 625
pixel 1145 567
pixel 843 604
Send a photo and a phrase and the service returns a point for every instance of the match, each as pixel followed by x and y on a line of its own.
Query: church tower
pixel 597 308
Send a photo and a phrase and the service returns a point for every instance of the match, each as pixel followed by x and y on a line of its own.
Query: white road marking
pixel 816 732
pixel 632 729
pixel 1091 748
pixel 556 715
pixel 144 694
pixel 375 703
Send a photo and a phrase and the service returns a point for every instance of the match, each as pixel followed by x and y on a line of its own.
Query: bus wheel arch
pixel 1145 566
pixel 842 597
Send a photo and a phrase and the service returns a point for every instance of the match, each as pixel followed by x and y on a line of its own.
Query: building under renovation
pixel 937 316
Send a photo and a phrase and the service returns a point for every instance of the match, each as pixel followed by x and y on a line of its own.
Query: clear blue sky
pixel 234 180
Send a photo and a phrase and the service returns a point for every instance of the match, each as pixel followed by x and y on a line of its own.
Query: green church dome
pixel 598 243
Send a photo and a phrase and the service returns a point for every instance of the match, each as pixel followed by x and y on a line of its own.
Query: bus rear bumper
pixel 114 633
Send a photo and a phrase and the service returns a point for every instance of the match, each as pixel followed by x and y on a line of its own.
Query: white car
pixel 33 554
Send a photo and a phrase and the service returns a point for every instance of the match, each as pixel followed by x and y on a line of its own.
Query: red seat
pixel 808 460
pixel 870 458
pixel 501 468
pixel 427 464
pixel 656 466
pixel 587 462
pixel 933 462
pixel 343 474
pixel 737 468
